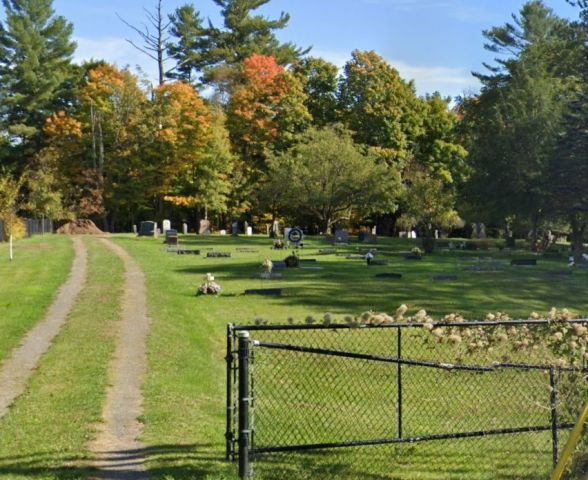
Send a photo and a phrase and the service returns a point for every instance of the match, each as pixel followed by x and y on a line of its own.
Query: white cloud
pixel 451 8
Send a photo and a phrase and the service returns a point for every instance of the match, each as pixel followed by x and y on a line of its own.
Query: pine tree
pixel 35 63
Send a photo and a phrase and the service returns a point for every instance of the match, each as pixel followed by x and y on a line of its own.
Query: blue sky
pixel 435 42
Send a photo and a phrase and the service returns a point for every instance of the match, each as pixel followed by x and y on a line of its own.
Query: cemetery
pixel 240 243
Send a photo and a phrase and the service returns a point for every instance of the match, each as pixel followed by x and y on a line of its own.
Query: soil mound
pixel 80 227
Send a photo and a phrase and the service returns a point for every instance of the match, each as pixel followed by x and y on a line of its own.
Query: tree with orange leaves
pixel 266 110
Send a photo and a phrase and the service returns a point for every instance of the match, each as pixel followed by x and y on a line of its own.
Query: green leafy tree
pixel 329 177
pixel 320 82
pixel 35 65
pixel 379 107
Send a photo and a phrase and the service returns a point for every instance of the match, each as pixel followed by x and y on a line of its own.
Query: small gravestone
pixel 166 225
pixel 185 228
pixel 223 232
pixel 218 255
pixel 390 276
pixel 182 251
pixel 249 231
pixel 524 262
pixel 135 229
pixel 277 292
pixel 276 228
pixel 444 278
pixel 147 229
pixel 235 228
pixel 171 237
pixel 204 228
pixel 342 236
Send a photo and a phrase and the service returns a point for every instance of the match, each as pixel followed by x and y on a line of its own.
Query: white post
pixel 10 246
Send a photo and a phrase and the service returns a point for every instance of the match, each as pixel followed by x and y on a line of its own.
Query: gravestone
pixel 147 229
pixel 444 278
pixel 204 227
pixel 264 291
pixel 390 276
pixel 171 237
pixel 275 231
pixel 182 251
pixel 235 228
pixel 378 263
pixel 223 232
pixel 522 262
pixel 218 255
pixel 249 231
pixel 135 229
pixel 166 225
pixel 342 236
pixel 185 228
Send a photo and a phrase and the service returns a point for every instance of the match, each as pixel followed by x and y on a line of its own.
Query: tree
pixel 379 106
pixel 216 53
pixel 266 111
pixel 427 203
pixel 513 125
pixel 35 63
pixel 320 83
pixel 328 176
pixel 154 38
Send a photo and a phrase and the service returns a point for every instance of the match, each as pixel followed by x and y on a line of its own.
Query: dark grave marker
pixel 182 251
pixel 523 262
pixel 276 292
pixel 218 255
pixel 390 276
pixel 444 278
pixel 378 263
pixel 147 229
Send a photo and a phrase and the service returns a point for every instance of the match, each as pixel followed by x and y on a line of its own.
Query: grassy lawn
pixel 29 284
pixel 184 393
pixel 46 433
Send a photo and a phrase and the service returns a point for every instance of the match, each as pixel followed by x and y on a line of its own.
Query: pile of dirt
pixel 80 227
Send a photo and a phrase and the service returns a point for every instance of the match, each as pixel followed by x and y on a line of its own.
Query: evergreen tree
pixel 35 64
pixel 213 53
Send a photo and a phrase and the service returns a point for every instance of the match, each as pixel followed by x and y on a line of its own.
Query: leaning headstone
pixel 185 228
pixel 147 229
pixel 204 227
pixel 166 225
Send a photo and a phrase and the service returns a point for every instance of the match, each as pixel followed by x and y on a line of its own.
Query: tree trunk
pixel 577 235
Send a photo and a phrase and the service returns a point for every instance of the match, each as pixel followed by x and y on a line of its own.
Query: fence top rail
pixel 360 326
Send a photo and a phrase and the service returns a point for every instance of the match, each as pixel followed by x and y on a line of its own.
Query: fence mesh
pixel 320 396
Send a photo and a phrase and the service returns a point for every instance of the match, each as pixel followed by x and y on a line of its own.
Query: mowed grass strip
pixel 185 387
pixel 29 284
pixel 46 432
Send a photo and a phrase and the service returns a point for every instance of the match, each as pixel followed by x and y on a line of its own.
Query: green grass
pixel 28 284
pixel 46 432
pixel 184 392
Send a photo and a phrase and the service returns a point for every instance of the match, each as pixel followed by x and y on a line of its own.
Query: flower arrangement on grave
pixel 279 245
pixel 292 261
pixel 267 266
pixel 417 252
pixel 209 287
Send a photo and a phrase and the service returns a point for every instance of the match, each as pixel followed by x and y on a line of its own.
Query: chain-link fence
pixel 395 401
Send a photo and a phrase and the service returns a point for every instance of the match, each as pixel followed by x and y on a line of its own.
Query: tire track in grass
pixel 20 364
pixel 120 454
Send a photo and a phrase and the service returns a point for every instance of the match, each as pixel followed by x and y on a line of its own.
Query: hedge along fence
pixel 380 392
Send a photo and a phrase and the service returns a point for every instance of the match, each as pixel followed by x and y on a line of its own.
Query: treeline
pixel 279 133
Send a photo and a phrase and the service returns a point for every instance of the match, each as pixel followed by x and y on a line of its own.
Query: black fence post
pixel 399 380
pixel 229 359
pixel 554 435
pixel 244 401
